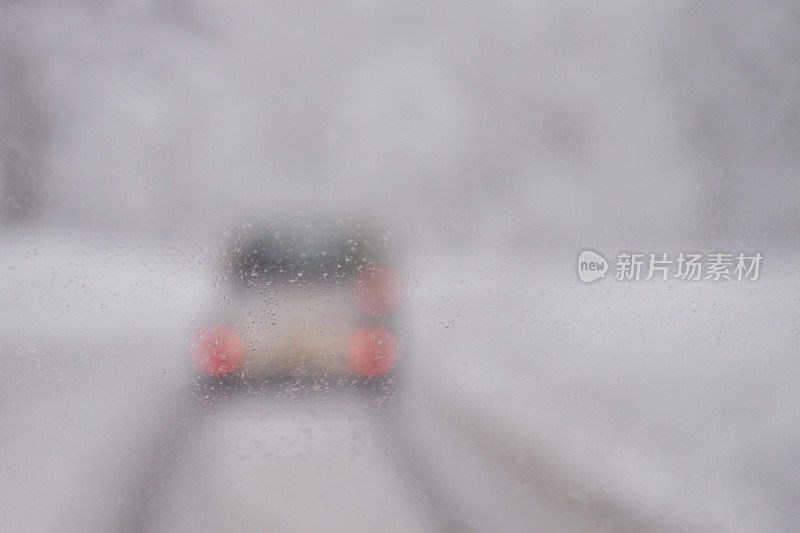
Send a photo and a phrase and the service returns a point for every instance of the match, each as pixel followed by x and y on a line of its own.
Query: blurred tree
pixel 24 133
pixel 733 70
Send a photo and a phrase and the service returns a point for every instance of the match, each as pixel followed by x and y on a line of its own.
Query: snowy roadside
pixel 94 334
pixel 62 285
pixel 670 401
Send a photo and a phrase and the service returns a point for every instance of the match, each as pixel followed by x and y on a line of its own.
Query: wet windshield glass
pixel 399 266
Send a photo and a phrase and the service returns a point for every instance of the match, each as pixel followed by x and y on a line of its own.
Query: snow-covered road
pixel 532 401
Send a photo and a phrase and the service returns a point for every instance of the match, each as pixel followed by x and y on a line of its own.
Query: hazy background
pixel 499 139
pixel 524 122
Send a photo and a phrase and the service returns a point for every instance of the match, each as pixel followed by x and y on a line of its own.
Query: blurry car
pixel 308 299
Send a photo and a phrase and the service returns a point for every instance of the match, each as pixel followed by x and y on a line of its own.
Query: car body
pixel 307 297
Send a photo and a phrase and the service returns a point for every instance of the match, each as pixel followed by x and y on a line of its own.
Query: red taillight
pixel 376 288
pixel 371 351
pixel 216 350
